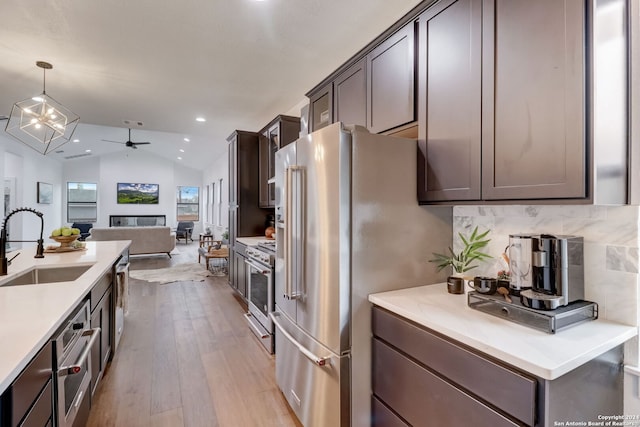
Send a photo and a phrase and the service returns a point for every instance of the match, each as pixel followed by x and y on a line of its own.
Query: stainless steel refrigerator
pixel 347 224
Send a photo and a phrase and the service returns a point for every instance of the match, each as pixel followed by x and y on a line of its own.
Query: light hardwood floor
pixel 187 358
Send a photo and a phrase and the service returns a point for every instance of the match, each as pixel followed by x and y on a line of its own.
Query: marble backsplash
pixel 610 235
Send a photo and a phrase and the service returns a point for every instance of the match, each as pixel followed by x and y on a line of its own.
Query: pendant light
pixel 41 122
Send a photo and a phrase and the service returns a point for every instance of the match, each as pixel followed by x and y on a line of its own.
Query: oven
pixel 260 300
pixel 72 367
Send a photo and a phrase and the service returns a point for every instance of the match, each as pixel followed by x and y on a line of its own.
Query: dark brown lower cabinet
pixel 28 401
pixel 101 317
pixel 422 378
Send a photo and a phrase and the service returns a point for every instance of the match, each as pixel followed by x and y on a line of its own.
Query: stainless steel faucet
pixel 3 239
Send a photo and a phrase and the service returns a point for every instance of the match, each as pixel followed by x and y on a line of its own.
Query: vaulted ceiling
pixel 237 63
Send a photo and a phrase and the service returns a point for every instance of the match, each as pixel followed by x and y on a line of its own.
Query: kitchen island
pixel 431 343
pixel 31 314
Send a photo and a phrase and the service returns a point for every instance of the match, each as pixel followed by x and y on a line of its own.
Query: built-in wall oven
pixel 72 367
pixel 260 298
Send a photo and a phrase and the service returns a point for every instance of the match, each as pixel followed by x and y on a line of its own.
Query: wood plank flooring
pixel 187 358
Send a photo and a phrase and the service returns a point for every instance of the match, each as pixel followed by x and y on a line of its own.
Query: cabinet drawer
pixel 424 399
pixel 27 387
pixel 99 289
pixel 383 416
pixel 42 411
pixel 502 387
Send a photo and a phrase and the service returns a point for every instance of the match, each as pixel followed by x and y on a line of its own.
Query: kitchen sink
pixel 47 275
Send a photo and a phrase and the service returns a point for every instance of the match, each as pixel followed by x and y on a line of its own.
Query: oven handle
pixel 260 268
pixel 77 367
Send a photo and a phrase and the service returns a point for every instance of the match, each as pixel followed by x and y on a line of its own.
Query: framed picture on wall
pixel 45 193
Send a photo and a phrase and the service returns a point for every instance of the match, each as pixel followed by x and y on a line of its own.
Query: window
pixel 188 203
pixel 205 203
pixel 212 189
pixel 219 202
pixel 82 202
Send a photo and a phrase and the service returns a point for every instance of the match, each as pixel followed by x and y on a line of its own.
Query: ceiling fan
pixel 129 143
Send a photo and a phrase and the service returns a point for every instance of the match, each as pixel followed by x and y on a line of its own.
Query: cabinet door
pixel 233 174
pixel 273 139
pixel 390 82
pixel 232 268
pixel 100 353
pixel 350 95
pixel 533 101
pixel 449 94
pixel 321 108
pixel 264 152
pixel 241 274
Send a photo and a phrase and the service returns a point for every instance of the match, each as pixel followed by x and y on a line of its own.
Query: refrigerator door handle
pixel 293 256
pixel 318 360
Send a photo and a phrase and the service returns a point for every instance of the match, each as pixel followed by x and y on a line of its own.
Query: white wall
pixel 132 166
pixel 29 167
pixel 219 169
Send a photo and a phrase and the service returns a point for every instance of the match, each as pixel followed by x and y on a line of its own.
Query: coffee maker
pixel 557 264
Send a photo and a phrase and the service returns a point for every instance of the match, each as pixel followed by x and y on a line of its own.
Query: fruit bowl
pixel 65 241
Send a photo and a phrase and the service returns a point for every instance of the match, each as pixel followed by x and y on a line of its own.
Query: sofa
pixel 144 240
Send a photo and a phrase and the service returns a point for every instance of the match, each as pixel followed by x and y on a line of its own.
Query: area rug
pixel 177 273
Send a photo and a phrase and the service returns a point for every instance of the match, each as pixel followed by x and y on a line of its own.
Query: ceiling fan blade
pixel 140 143
pixel 117 142
pixel 133 146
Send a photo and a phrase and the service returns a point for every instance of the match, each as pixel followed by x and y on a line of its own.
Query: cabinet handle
pixel 77 367
pixel 79 399
pixel 258 332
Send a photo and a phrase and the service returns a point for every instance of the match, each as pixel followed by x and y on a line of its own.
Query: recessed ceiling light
pixel 200 119
pixel 181 150
pixel 87 151
pixel 179 158
pixel 76 140
pixel 187 140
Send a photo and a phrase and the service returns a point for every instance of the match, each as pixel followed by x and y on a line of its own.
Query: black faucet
pixel 3 239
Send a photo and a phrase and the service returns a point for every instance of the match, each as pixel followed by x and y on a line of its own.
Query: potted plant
pixel 464 260
pixel 225 236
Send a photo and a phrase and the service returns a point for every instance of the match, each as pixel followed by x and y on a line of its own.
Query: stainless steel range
pixel 260 270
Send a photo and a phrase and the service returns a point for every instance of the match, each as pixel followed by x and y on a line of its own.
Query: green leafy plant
pixel 463 261
pixel 225 234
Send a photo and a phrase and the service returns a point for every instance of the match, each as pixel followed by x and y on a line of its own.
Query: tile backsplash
pixel 610 246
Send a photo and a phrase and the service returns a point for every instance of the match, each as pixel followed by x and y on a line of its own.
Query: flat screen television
pixel 141 194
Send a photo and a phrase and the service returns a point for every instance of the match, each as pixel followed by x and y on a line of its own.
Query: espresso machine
pixel 557 272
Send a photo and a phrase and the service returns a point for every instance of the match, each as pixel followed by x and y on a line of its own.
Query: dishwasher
pixel 121 291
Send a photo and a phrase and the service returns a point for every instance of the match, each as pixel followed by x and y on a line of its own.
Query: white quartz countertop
pixel 547 356
pixel 31 314
pixel 253 241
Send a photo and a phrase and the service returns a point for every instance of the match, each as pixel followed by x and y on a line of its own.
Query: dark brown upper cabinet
pixel 281 131
pixel 350 95
pixel 533 93
pixel 321 108
pixel 501 104
pixel 449 83
pixel 391 81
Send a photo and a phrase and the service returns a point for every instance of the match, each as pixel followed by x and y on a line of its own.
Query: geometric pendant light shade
pixel 41 122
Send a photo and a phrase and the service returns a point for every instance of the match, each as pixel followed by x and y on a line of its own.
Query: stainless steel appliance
pixel 72 367
pixel 558 272
pixel 348 224
pixel 260 263
pixel 121 297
